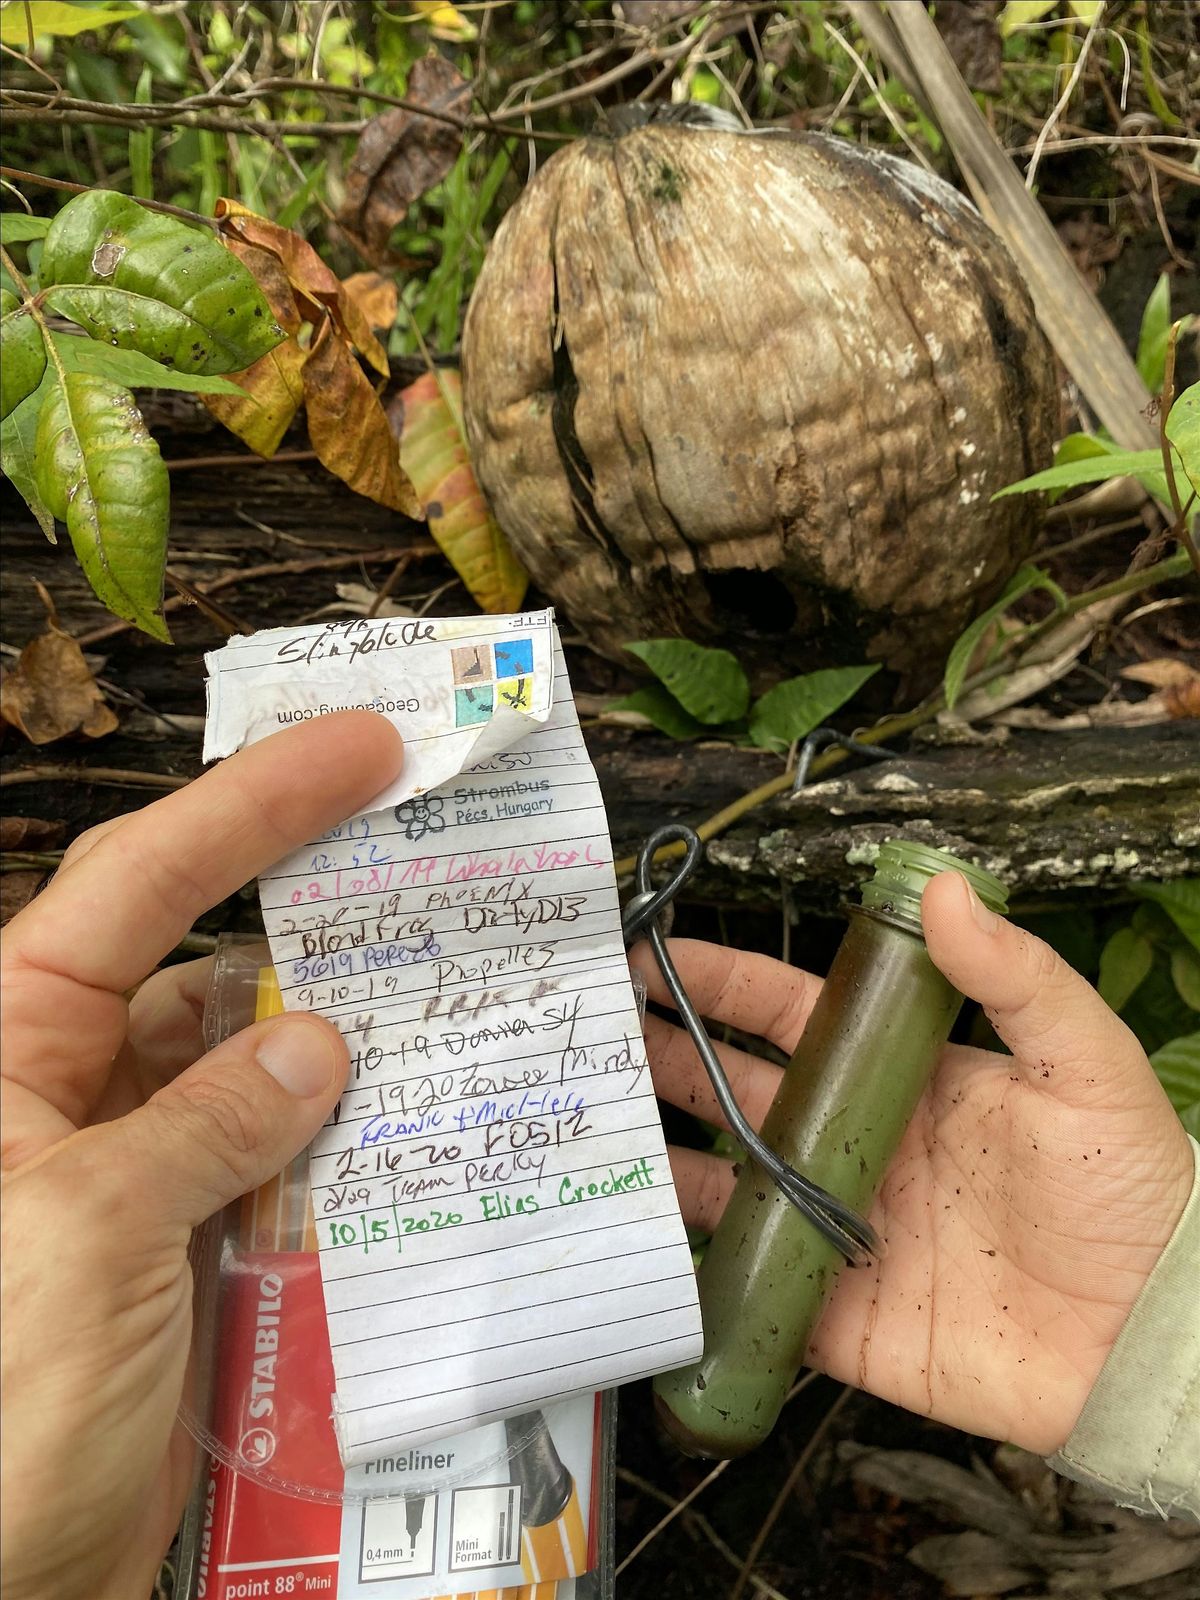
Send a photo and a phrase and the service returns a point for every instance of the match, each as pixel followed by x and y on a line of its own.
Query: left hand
pixel 115 1146
pixel 1026 1205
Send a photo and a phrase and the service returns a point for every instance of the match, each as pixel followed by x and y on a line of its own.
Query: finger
pixel 166 1022
pixel 105 921
pixel 703 1183
pixel 146 881
pixel 1060 1032
pixel 751 992
pixel 680 1078
pixel 231 1122
pixel 83 842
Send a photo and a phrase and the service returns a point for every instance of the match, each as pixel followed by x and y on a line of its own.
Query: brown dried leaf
pixel 348 429
pixel 29 833
pixel 51 692
pixel 1182 700
pixel 377 297
pixel 973 1563
pixel 274 387
pixel 314 284
pixel 401 154
pixel 1164 672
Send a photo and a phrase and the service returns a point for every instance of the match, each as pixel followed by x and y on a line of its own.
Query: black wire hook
pixel 835 1221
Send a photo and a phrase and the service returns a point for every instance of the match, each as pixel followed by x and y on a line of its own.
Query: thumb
pixel 235 1119
pixel 1059 1030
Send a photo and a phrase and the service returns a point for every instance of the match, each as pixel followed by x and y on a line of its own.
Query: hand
pixel 115 1147
pixel 1026 1206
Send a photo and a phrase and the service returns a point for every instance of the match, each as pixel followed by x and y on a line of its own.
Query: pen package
pixel 519 1510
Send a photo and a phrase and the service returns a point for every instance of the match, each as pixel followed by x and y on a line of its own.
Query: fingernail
pixel 299 1056
pixel 985 920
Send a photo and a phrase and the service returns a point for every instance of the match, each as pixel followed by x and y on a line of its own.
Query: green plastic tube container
pixel 847 1096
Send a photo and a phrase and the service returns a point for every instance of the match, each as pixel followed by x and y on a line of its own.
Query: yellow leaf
pixel 377 297
pixel 348 429
pixel 1020 13
pixel 274 384
pixel 446 21
pixel 1086 10
pixel 56 17
pixel 434 454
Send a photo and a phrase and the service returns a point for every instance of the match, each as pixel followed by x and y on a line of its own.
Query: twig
pixel 270 569
pixel 238 459
pixel 785 1493
pixel 85 188
pixel 122 777
pixel 703 1525
pixel 1063 100
pixel 676 1508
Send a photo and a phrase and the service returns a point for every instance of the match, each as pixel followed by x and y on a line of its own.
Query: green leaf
pixel 964 647
pixel 794 708
pixel 1177 1064
pixel 1185 975
pixel 1153 93
pixel 1112 464
pixel 142 281
pixel 1183 430
pixel 18 433
pixel 660 706
pixel 1124 962
pixel 709 684
pixel 141 141
pixel 17 227
pixel 1180 900
pixel 99 471
pixel 1153 335
pixel 1020 13
pixel 131 369
pixel 22 354
pixel 57 17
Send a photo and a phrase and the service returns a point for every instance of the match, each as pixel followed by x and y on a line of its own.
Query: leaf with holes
pixel 131 369
pixel 791 710
pixel 22 353
pixel 709 684
pixel 434 455
pixel 142 281
pixel 348 429
pixel 268 394
pixel 314 284
pixel 99 471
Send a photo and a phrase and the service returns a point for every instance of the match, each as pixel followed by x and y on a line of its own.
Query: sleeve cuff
pixel 1137 1440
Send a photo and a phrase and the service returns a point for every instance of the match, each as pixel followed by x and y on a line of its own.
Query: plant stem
pixel 18 175
pixel 1174 566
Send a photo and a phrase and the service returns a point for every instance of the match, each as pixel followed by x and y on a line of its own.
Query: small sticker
pixel 516 693
pixel 471 663
pixel 472 706
pixel 514 659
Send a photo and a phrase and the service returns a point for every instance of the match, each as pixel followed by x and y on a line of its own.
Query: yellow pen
pixel 553 1537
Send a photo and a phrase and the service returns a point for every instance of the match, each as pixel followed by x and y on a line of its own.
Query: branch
pixel 20 176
